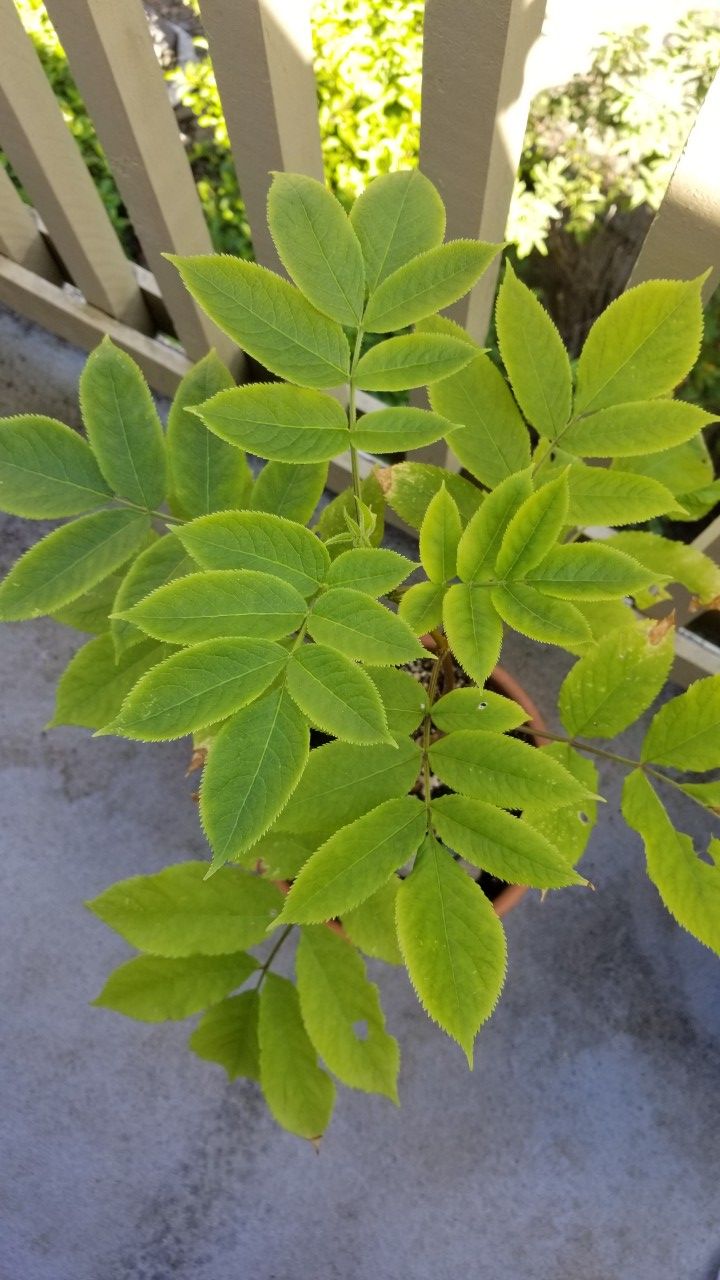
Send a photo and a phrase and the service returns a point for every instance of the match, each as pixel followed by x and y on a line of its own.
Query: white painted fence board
pixel 45 156
pixel 20 236
pixel 112 59
pixel 262 54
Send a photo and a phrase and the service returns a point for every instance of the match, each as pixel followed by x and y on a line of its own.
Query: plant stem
pixel 147 511
pixel 582 746
pixel 427 719
pixel 264 967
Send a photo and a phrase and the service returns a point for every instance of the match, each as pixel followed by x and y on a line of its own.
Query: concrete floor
pixel 584 1146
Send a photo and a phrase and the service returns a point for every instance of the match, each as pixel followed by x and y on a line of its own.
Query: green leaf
pixel 269 318
pixel 342 1013
pixel 398 216
pixel 412 360
pixel 403 698
pixel 706 793
pixel 665 558
pixel 359 627
pixel 393 430
pixel 568 828
pixel 281 854
pixel 341 782
pixel 453 944
pixel 272 420
pixel 689 887
pixel 46 469
pixel 685 732
pixel 355 861
pixel 123 426
pixel 497 842
pixel 534 356
pixel 89 612
pixel 533 530
pixel 496 443
pixel 428 283
pixel 163 561
pixel 70 560
pixel 478 709
pixel 480 543
pixel 643 426
pixel 336 695
pixel 642 345
pixel 178 912
pixel 502 771
pixel 439 537
pixel 589 571
pixel 317 246
pixel 299 1094
pixel 601 496
pixel 371 925
pixel 421 607
pixel 373 570
pixel 93 686
pixel 254 765
pixel 205 474
pixel 409 487
pixel 220 603
pixel 289 490
pixel 540 617
pixel 334 516
pixel 683 469
pixel 473 629
pixel 197 687
pixel 615 682
pixel 228 1034
pixel 606 616
pixel 251 540
pixel 155 989
pixel 447 328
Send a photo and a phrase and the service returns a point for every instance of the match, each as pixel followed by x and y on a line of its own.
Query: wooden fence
pixel 62 265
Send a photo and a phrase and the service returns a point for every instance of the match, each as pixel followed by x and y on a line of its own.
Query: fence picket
pixel 262 55
pixel 20 237
pixel 43 153
pixel 112 59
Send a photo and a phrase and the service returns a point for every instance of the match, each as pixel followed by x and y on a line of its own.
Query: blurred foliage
pixel 596 149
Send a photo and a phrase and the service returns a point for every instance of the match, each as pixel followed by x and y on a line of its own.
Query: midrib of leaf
pixel 64 479
pixel 526 607
pixel 476 407
pixel 441 902
pixel 76 563
pixel 391 238
pixel 124 438
pixel 694 737
pixel 258 766
pixel 531 360
pixel 421 293
pixel 289 337
pixel 632 355
pixel 208 689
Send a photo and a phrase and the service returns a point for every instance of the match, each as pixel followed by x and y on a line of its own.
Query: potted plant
pixel 219 613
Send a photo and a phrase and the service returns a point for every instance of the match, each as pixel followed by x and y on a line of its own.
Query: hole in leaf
pixel 360 1029
pixel 583 818
pixel 482 706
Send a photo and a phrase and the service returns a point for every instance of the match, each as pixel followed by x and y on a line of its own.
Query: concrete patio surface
pixel 585 1145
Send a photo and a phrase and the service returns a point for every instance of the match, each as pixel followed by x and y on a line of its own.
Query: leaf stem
pixel 352 419
pixel 581 746
pixel 441 648
pixel 266 965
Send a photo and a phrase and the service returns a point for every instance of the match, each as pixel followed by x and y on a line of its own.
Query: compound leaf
pixel 228 1034
pixel 473 629
pixel 156 989
pixel 409 486
pixel 439 537
pixel 568 828
pixel 397 217
pixel 640 427
pixel 371 925
pixel 299 1094
pixel 342 781
pixel 373 570
pixel 178 912
pixel 69 561
pixel 412 360
pixel 480 543
pixel 431 281
pixel 601 496
pixel 198 686
pixel 539 616
pixel 257 540
pixel 589 571
pixel 317 245
pixel 503 771
pixel 253 767
pixel 685 732
pixel 643 344
pixel 359 627
pixel 273 420
pixel 46 469
pixel 93 686
pixel 533 530
pixel 205 473
pixel 495 841
pixel 220 603
pixel 674 560
pixel 611 685
pixel 336 695
pixel 394 430
pixel 356 861
pixel 421 607
pixel 453 944
pixel 342 1013
pixel 289 490
pixel 123 426
pixel 269 318
pixel 163 561
pixel 479 709
pixel 534 356
pixel 495 443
